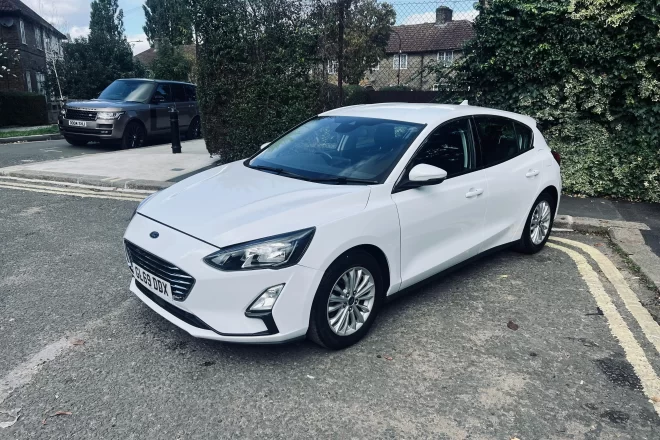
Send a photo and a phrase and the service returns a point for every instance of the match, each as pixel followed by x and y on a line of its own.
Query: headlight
pixel 142 203
pixel 273 252
pixel 109 115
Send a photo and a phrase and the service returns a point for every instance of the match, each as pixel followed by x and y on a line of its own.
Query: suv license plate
pixel 157 285
pixel 78 123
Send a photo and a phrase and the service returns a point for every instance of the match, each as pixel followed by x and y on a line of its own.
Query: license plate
pixel 78 123
pixel 157 285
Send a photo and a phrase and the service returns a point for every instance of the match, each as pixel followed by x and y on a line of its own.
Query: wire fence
pixel 427 38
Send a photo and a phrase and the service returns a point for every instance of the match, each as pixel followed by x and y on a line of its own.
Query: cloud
pixel 138 42
pixel 429 17
pixel 79 31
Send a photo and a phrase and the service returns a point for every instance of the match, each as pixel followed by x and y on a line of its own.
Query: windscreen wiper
pixel 280 171
pixel 341 180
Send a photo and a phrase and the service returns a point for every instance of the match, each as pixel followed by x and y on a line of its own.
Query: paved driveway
pixel 510 346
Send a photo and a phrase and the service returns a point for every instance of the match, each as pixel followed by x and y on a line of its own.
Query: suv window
pixel 179 93
pixel 164 91
pixel 191 91
pixel 498 139
pixel 524 136
pixel 449 147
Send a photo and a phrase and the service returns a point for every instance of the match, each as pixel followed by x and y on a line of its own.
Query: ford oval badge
pixel 154 234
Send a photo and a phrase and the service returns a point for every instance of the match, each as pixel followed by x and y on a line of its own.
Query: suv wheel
pixel 134 136
pixel 347 301
pixel 194 130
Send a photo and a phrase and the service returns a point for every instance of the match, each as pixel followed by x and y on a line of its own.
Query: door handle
pixel 474 192
pixel 532 173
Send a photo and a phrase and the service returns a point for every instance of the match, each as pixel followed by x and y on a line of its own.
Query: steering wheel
pixel 325 156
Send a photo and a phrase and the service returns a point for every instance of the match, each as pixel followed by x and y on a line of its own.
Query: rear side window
pixel 498 139
pixel 191 92
pixel 449 147
pixel 524 136
pixel 179 93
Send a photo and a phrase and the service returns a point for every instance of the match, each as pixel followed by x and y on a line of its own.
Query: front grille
pixel 180 281
pixel 184 316
pixel 80 115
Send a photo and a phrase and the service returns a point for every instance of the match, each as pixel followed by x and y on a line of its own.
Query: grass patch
pixel 45 130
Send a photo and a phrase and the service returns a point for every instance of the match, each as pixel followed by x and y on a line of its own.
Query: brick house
pixel 37 41
pixel 412 48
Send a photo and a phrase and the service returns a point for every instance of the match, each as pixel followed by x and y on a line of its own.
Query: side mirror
pixel 424 174
pixel 264 145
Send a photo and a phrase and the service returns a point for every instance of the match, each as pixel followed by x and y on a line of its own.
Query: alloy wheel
pixel 135 136
pixel 540 222
pixel 351 301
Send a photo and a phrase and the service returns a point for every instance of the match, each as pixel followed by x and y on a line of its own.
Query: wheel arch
pixel 380 257
pixel 554 193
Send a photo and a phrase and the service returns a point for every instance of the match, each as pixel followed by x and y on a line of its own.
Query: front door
pixel 160 106
pixel 442 224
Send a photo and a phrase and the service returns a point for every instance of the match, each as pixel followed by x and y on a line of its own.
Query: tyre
pixel 194 129
pixel 76 142
pixel 134 136
pixel 538 225
pixel 347 301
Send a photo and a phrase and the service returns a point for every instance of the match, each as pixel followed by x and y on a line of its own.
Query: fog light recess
pixel 266 301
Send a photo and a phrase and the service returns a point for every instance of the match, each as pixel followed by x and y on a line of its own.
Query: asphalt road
pixel 28 152
pixel 439 363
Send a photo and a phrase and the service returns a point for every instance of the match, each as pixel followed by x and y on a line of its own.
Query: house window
pixel 400 61
pixel 21 25
pixel 377 66
pixel 28 80
pixel 41 83
pixel 332 67
pixel 446 57
pixel 435 87
pixel 47 42
pixel 37 37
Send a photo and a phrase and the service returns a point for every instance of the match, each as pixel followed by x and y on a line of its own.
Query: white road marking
pixel 53 190
pixel 25 372
pixel 633 351
pixel 48 150
pixel 649 327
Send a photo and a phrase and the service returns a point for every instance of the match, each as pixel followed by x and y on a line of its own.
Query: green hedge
pixel 21 108
pixel 595 162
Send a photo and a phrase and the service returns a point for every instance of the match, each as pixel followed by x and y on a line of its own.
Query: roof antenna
pixel 465 102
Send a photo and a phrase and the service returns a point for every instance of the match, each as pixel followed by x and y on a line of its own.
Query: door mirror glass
pixel 264 145
pixel 427 174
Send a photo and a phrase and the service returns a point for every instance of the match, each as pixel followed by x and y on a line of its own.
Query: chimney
pixel 443 15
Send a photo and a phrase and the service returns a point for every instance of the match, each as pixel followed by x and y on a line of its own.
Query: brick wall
pixel 32 59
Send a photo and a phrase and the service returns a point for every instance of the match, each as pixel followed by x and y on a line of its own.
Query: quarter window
pixel 524 136
pixel 449 147
pixel 498 139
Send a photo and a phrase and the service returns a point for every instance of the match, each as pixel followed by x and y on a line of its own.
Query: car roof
pixel 156 80
pixel 430 114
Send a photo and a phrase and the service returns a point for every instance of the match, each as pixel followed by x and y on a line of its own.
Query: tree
pixel 169 20
pixel 8 60
pixel 93 63
pixel 171 63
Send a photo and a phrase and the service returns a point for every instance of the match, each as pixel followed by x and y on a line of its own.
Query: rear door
pixel 442 225
pixel 513 168
pixel 183 105
pixel 159 109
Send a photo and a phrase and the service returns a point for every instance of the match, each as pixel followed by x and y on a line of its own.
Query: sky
pixel 72 16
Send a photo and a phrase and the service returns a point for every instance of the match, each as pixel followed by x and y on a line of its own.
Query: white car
pixel 309 236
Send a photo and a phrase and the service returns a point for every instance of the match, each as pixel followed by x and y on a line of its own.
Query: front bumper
pixel 215 307
pixel 94 130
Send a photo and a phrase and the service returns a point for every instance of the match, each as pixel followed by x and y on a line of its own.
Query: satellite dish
pixel 6 21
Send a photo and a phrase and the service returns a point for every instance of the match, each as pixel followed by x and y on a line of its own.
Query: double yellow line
pixel 620 330
pixel 83 191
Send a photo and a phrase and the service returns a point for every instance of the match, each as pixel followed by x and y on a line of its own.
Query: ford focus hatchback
pixel 313 233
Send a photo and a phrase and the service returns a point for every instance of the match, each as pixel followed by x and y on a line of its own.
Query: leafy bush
pixel 171 63
pixel 574 65
pixel 22 108
pixel 354 95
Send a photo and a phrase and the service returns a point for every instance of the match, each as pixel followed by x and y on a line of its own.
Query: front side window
pixel 128 90
pixel 400 61
pixel 498 139
pixel 21 25
pixel 162 93
pixel 449 147
pixel 342 148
